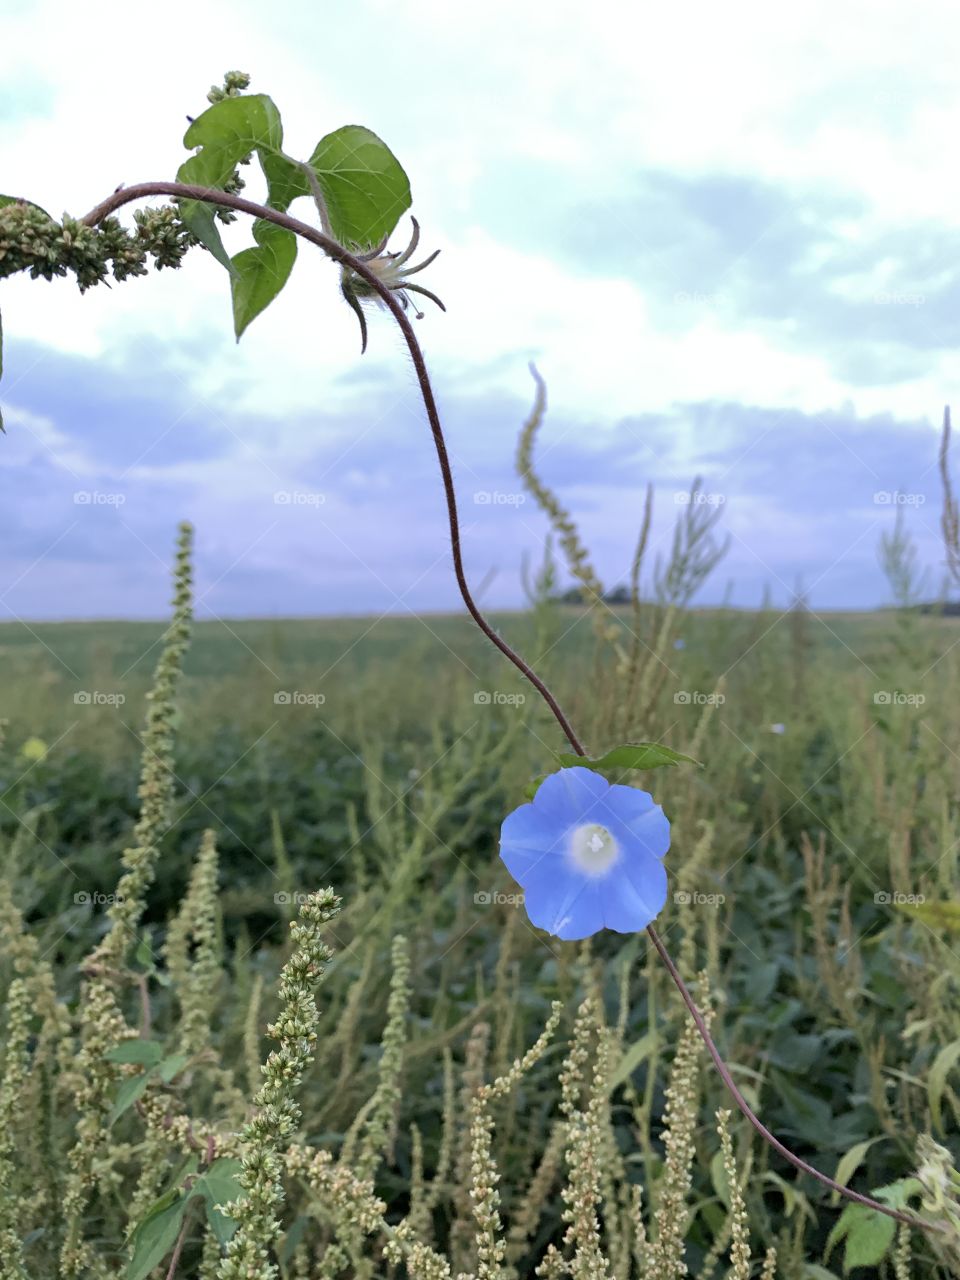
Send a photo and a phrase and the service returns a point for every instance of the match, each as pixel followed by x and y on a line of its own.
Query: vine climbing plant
pixel 615 876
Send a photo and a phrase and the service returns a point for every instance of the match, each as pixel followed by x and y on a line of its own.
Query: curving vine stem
pixel 333 249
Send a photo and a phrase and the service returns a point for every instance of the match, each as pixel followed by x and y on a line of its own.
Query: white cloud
pixel 842 97
pixel 845 100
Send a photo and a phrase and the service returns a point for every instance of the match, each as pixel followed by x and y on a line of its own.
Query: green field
pixel 829 786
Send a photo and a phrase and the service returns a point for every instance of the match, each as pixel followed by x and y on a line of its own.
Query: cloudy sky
pixel 729 237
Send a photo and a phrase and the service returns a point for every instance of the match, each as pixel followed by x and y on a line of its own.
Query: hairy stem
pixel 336 251
pixel 755 1120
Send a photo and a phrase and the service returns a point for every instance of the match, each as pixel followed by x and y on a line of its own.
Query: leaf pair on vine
pixel 358 185
pixel 356 182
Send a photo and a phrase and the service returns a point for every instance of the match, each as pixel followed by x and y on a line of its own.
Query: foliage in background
pixel 820 965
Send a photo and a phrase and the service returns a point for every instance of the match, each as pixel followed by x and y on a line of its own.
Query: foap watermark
pixel 94 898
pixel 98 698
pixel 495 498
pixel 290 899
pixel 497 698
pixel 894 498
pixel 897 698
pixel 299 498
pixel 897 899
pixel 494 898
pixel 683 498
pixel 694 298
pixel 697 698
pixel 96 498
pixel 892 298
pixel 296 698
pixel 694 899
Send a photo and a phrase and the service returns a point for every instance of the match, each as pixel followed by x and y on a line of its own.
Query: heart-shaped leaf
pixel 129 1091
pixel 226 133
pixel 171 1066
pixel 145 1052
pixel 867 1233
pixel 220 1185
pixel 364 186
pixel 156 1234
pixel 259 274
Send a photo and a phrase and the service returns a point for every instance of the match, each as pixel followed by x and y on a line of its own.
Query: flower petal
pixel 634 893
pixel 637 812
pixel 530 828
pixel 571 795
pixel 527 837
pixel 562 902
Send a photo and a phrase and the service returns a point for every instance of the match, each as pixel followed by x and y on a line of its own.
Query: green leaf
pixel 850 1163
pixel 226 133
pixel 162 1202
pixel 897 1194
pixel 807 1112
pixel 221 1181
pixel 221 1226
pixel 632 1057
pixel 186 1170
pixel 219 1185
pixel 632 755
pixel 129 1091
pixel 796 1053
pixel 286 178
pixel 936 915
pixel 144 953
pixel 259 274
pixel 171 1066
pixel 156 1235
pixel 869 1235
pixel 169 1197
pixel 794 1201
pixel 943 1064
pixel 145 1052
pixel 202 222
pixel 364 186
pixel 718 1176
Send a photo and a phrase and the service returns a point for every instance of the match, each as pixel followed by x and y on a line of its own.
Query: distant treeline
pixel 576 595
pixel 949 608
pixel 621 595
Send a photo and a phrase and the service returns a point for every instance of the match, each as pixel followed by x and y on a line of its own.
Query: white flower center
pixel 593 849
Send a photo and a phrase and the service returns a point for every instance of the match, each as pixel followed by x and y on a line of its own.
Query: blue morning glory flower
pixel 588 855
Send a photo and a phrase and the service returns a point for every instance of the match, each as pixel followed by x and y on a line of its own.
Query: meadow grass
pixel 835 999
